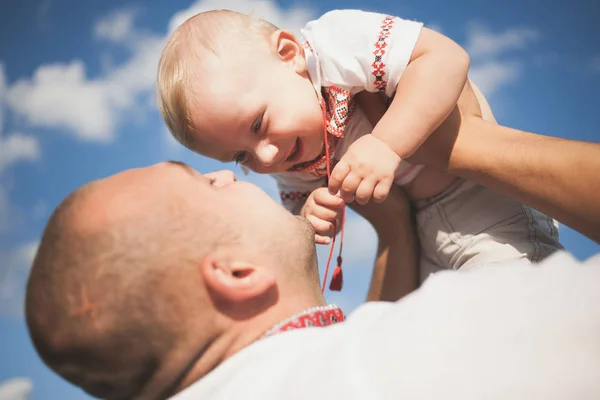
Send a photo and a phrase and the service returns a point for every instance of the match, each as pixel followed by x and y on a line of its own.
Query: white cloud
pixel 13 148
pixel 291 19
pixel 92 108
pixel 17 147
pixel 61 96
pixel 115 27
pixel 492 75
pixel 490 68
pixel 484 43
pixel 14 267
pixel 16 389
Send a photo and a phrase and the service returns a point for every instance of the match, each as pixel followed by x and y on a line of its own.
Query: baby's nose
pixel 267 153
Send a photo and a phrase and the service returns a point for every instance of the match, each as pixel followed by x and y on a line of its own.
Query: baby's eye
pixel 257 124
pixel 240 157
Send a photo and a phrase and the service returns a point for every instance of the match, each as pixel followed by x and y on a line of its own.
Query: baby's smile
pixel 298 155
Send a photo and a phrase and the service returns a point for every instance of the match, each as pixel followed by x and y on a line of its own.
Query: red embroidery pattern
pixel 292 197
pixel 314 317
pixel 378 66
pixel 339 107
pixel 307 46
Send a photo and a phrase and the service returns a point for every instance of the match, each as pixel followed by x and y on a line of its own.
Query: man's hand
pixel 366 171
pixel 322 209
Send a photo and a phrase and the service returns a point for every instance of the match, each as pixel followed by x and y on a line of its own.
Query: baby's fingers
pixel 320 239
pixel 381 191
pixel 325 213
pixel 320 226
pixel 322 197
pixel 349 187
pixel 364 191
pixel 338 175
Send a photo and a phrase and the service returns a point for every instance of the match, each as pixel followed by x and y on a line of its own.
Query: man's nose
pixel 222 178
pixel 267 153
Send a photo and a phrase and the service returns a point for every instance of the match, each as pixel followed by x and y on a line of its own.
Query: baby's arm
pixel 426 93
pixel 423 70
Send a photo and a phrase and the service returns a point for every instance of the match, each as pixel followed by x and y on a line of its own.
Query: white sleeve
pixel 362 50
pixel 294 189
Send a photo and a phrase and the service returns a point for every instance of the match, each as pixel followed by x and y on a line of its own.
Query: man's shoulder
pixel 268 367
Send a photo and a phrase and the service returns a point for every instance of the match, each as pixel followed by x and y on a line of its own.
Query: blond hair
pixel 212 31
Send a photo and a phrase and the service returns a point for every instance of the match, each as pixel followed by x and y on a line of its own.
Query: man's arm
pixel 556 176
pixel 396 269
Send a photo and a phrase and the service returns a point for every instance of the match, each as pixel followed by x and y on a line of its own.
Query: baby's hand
pixel 366 170
pixel 322 209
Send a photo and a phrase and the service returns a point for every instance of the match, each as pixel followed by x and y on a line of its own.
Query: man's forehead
pixel 137 179
pixel 181 166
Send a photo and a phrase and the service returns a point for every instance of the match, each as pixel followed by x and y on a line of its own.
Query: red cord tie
pixel 337 279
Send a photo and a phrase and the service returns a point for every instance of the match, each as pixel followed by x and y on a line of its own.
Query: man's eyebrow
pixel 180 164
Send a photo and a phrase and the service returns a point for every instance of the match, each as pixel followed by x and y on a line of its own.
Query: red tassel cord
pixel 337 279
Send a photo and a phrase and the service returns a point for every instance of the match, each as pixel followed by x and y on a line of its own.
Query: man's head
pixel 152 273
pixel 236 88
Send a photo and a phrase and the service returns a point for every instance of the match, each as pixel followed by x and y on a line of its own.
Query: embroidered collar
pixel 313 317
pixel 339 106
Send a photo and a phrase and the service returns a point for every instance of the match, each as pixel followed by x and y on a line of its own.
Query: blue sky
pixel 76 81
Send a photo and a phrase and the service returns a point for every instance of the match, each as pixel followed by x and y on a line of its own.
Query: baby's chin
pixel 306 164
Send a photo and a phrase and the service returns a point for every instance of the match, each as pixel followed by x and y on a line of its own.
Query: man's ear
pixel 234 279
pixel 289 50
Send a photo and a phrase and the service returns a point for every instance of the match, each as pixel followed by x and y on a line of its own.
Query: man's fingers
pixel 338 175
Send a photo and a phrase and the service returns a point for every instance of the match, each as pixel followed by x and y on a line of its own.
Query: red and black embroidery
pixel 307 46
pixel 314 317
pixel 380 45
pixel 339 107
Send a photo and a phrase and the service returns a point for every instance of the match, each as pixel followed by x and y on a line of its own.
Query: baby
pixel 234 87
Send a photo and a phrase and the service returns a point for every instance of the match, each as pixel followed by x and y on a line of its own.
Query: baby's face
pixel 260 113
